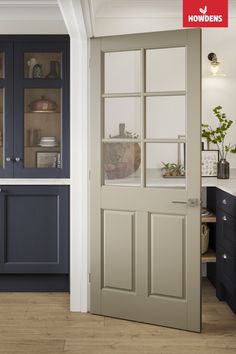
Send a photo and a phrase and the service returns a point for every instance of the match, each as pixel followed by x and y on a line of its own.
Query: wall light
pixel 214 65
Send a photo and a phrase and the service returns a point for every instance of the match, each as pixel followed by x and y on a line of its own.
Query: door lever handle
pixel 192 202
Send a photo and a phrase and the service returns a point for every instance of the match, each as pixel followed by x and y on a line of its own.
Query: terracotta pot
pixel 43 105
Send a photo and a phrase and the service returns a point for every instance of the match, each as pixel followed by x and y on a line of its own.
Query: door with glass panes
pixel 145 177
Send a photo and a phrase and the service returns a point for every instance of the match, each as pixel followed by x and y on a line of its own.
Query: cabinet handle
pixel 9 159
pixel 224 201
pixel 18 159
pixel 224 218
pixel 224 256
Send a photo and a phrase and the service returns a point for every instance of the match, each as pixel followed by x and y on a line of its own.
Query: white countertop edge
pixel 35 181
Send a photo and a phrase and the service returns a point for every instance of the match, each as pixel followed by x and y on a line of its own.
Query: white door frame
pixel 79 188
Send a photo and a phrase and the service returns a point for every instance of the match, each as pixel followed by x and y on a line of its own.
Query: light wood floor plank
pixel 40 323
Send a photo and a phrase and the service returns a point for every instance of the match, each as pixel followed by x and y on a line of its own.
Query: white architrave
pixel 73 17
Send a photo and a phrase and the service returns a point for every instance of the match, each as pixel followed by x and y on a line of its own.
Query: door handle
pixel 9 159
pixel 192 202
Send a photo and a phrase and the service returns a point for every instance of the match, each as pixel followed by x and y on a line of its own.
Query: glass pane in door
pixel 122 72
pixel 2 66
pixel 122 117
pixel 121 163
pixel 42 65
pixel 165 165
pixel 165 69
pixel 165 117
pixel 42 128
pixel 1 127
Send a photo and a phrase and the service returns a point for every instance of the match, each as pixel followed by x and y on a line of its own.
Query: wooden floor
pixel 41 323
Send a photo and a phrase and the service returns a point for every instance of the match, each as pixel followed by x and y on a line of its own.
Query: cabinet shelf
pixel 209 256
pixel 209 219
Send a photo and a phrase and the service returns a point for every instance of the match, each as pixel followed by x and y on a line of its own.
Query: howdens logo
pixel 206 13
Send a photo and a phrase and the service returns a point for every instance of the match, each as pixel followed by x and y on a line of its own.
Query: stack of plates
pixel 47 141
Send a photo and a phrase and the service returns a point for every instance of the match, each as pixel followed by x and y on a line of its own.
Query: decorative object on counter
pixel 170 170
pixel 54 70
pixel 31 63
pixel 1 142
pixel 181 157
pixel 43 105
pixel 121 159
pixel 210 159
pixel 47 141
pixel 37 71
pixel 48 159
pixel 217 137
pixel 204 237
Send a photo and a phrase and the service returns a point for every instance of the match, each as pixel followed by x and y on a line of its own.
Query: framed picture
pixel 47 159
pixel 209 163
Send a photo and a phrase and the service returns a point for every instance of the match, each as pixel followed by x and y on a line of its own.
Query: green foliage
pixel 172 169
pixel 217 135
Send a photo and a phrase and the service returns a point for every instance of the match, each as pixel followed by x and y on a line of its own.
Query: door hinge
pixel 89 277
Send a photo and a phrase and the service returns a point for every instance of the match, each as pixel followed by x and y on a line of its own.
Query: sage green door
pixel 145 177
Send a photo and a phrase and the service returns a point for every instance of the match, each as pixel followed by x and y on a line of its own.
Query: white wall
pixel 220 90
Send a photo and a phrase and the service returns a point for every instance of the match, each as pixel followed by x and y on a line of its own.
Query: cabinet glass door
pixel 41 134
pixel 42 128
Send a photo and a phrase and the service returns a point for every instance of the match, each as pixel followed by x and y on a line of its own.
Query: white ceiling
pixel 31 17
pixel 108 17
pixel 102 17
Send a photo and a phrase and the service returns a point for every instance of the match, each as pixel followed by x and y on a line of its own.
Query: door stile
pixel 193 186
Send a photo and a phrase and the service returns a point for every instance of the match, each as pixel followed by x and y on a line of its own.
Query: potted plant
pixel 217 136
pixel 172 170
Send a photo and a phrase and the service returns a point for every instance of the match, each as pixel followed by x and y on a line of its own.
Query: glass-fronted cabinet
pixel 40 98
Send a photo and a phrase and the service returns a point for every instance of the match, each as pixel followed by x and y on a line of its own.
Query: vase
pixel 54 70
pixel 37 71
pixel 223 169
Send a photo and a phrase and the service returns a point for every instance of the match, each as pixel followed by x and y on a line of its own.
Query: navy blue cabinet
pixel 34 106
pixel 34 236
pixel 226 248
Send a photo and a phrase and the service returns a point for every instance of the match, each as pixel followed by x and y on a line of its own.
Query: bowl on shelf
pixel 47 141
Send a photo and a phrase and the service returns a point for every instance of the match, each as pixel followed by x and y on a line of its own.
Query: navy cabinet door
pixel 34 229
pixel 6 109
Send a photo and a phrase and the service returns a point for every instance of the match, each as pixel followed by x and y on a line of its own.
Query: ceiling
pixel 108 17
pixel 31 16
pixel 102 17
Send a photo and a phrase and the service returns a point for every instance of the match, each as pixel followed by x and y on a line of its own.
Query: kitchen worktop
pixel 155 180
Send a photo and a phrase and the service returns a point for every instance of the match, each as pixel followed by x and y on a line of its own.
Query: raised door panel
pixel 34 229
pixel 167 254
pixel 118 249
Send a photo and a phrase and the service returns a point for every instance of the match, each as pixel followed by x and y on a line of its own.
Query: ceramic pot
pixel 43 105
pixel 37 71
pixel 223 169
